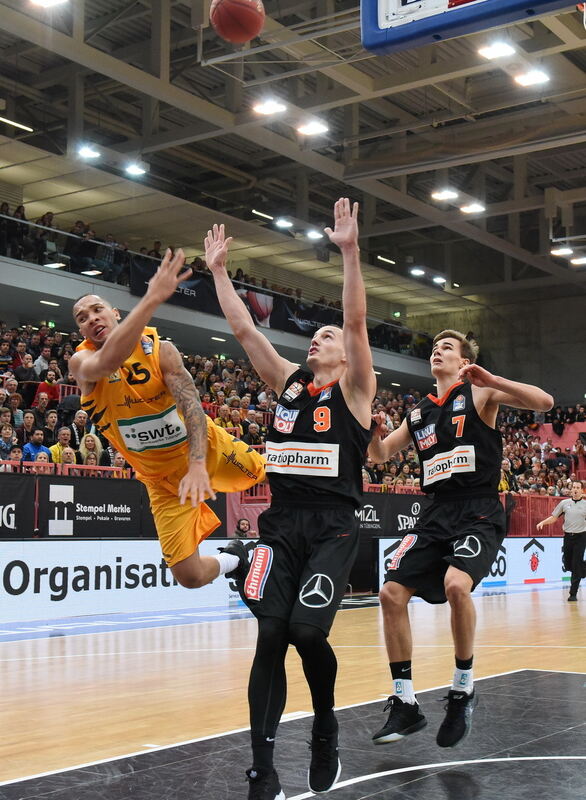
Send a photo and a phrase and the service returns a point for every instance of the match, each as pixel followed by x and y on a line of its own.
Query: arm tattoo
pixel 186 396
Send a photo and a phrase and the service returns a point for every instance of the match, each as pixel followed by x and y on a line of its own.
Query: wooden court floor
pixel 70 700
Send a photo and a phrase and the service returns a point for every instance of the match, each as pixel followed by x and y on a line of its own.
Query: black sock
pixel 401 670
pixel 262 752
pixel 325 722
pixel 464 663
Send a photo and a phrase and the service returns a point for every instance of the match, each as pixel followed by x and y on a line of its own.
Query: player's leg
pixel 576 562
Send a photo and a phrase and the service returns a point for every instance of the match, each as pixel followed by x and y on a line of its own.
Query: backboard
pixel 389 25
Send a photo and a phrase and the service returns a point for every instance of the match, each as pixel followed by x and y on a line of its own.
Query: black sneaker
pixel 264 786
pixel 458 720
pixel 404 718
pixel 236 548
pixel 572 598
pixel 325 766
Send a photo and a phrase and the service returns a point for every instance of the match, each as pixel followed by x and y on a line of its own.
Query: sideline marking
pixel 229 733
pixel 421 767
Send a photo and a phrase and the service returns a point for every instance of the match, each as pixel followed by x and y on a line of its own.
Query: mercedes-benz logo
pixel 317 592
pixel 415 509
pixel 469 547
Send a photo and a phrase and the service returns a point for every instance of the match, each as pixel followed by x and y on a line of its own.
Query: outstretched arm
pixel 547 521
pixel 88 366
pixel 195 482
pixel 359 380
pixel 381 449
pixel 272 368
pixel 501 391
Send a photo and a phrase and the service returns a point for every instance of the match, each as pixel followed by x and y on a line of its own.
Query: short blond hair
pixel 468 348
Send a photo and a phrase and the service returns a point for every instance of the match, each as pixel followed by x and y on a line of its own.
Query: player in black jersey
pixel 308 537
pixel 457 538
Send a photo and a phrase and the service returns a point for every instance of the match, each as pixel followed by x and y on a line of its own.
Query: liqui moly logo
pixel 285 418
pixel 262 561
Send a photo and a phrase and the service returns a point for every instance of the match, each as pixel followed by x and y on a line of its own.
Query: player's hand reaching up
pixel 168 276
pixel 345 233
pixel 382 429
pixel 216 247
pixel 477 376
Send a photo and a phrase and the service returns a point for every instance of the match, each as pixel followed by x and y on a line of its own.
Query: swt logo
pixel 153 432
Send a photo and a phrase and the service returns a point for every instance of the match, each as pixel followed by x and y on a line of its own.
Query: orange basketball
pixel 237 21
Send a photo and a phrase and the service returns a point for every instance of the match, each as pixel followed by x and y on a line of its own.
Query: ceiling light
pixel 217 339
pixel 7 121
pixel 473 208
pixel 580 260
pixel 312 128
pixel 417 271
pixel 87 151
pixel 261 214
pixel 269 107
pixel 532 78
pixel 48 303
pixel 47 3
pixel 135 170
pixel 386 260
pixel 444 194
pixel 283 223
pixel 396 313
pixel 313 234
pixel 439 279
pixel 561 251
pixel 55 265
pixel 377 373
pixel 92 272
pixel 456 285
pixel 395 384
pixel 496 50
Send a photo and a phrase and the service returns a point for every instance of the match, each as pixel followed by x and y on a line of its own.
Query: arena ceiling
pixel 141 78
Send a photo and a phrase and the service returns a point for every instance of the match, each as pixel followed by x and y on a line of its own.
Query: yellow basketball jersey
pixel 136 412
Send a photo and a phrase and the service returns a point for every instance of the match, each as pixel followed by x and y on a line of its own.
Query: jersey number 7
pixel 459 423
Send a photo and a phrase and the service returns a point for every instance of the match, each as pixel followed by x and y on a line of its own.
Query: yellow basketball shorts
pixel 232 466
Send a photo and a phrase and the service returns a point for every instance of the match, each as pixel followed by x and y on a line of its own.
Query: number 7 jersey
pixel 459 453
pixel 136 412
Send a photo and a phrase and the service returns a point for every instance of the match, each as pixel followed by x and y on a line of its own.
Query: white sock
pixel 463 680
pixel 227 562
pixel 404 690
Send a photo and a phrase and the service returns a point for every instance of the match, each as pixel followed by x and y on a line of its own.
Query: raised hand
pixel 345 233
pixel 382 429
pixel 168 276
pixel 216 247
pixel 477 376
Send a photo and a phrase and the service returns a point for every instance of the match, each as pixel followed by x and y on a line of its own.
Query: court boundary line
pixel 423 767
pixel 237 730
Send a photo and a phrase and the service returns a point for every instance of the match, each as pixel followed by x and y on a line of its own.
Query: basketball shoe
pixel 325 766
pixel 404 718
pixel 264 786
pixel 236 548
pixel 458 720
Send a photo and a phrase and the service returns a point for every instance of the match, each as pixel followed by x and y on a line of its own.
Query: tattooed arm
pixel 196 481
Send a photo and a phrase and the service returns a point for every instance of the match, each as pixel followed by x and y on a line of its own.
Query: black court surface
pixel 528 742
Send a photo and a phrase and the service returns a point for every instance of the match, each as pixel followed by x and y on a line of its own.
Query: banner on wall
pixel 45 579
pixel 82 507
pixel 17 506
pixel 267 310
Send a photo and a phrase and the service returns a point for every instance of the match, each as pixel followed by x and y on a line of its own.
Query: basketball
pixel 237 21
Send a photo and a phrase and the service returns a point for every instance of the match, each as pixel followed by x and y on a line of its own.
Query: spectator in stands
pixel 90 444
pixel 155 252
pixel 35 445
pixel 508 478
pixel 40 409
pixel 50 430
pixel 6 440
pixel 27 379
pixel 388 481
pixel 120 462
pixel 68 459
pixel 243 529
pixel 42 465
pixel 49 387
pixel 6 356
pixel 5 416
pixel 236 422
pixel 25 431
pixel 19 354
pixel 90 460
pixel 63 440
pixel 223 418
pixel 78 428
pixel 259 418
pixel 42 362
pixel 15 455
pixel 253 437
pixel 15 404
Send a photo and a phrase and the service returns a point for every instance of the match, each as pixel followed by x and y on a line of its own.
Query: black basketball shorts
pixel 300 566
pixel 465 534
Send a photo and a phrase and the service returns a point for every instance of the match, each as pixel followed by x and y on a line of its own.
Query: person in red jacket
pixel 50 387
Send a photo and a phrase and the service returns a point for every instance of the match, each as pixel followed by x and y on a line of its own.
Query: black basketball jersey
pixel 459 453
pixel 315 447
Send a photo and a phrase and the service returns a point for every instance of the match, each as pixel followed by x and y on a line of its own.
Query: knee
pixel 272 633
pixel 457 588
pixel 305 638
pixel 393 597
pixel 190 580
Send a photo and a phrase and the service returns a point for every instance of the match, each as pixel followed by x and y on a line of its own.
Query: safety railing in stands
pixel 33 467
pixel 213 411
pixel 44 468
pixel 66 389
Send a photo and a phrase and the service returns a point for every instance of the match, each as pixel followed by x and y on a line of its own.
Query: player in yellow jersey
pixel 142 399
